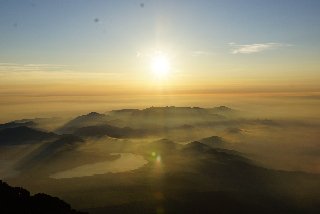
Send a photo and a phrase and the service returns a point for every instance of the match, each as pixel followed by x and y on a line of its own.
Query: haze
pixel 162 106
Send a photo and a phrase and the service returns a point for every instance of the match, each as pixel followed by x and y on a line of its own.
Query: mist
pixel 140 156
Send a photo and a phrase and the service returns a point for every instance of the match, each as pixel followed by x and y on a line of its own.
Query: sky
pixel 95 47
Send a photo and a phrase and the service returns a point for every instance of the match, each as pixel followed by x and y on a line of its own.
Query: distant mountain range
pixel 107 130
pixel 15 124
pixel 197 175
pixel 134 122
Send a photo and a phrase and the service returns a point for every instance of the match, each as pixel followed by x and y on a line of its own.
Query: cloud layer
pixel 14 67
pixel 255 48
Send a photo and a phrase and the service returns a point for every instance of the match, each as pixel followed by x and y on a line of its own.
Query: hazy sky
pixel 209 44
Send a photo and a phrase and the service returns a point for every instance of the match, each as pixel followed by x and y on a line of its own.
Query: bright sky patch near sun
pixel 213 41
pixel 160 65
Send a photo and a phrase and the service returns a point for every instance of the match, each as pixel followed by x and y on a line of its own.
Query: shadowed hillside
pixel 50 151
pixel 107 130
pixel 16 200
pixel 91 119
pixel 15 124
pixel 200 179
pixel 24 135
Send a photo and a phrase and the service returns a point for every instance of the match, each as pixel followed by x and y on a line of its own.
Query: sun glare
pixel 160 66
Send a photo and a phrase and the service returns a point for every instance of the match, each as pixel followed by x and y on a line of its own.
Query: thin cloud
pixel 255 48
pixel 15 67
pixel 201 53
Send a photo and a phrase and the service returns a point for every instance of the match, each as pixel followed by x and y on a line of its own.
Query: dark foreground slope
pixel 18 200
pixel 208 202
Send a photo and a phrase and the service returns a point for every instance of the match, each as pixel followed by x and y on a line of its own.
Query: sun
pixel 160 65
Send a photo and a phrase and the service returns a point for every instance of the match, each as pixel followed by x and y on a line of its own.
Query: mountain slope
pixel 24 135
pixel 200 179
pixel 106 130
pixel 50 150
pixel 15 124
pixel 90 119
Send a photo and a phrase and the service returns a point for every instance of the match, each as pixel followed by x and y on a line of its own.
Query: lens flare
pixel 158 159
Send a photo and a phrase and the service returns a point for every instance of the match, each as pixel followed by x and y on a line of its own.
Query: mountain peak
pixel 197 146
pixel 15 124
pixel 92 118
pixel 223 108
pixel 213 140
pixel 94 114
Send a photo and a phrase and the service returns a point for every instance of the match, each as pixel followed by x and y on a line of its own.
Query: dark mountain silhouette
pixel 16 200
pixel 196 146
pixel 167 117
pixel 24 135
pixel 120 132
pixel 50 150
pixel 107 130
pixel 222 109
pixel 15 124
pixel 124 111
pixel 149 118
pixel 172 111
pixel 224 155
pixel 46 124
pixel 90 119
pixel 213 141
